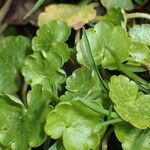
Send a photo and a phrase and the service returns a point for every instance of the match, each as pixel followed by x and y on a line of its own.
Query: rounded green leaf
pixel 140 33
pixel 78 126
pixel 117 35
pixel 52 37
pixel 44 70
pixel 139 53
pixel 97 38
pixel 131 105
pixel 81 83
pixel 104 34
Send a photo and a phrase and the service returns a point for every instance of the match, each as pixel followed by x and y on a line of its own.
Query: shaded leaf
pixel 13 51
pixel 20 127
pixel 114 16
pixel 78 126
pixel 140 33
pixel 131 105
pixel 75 16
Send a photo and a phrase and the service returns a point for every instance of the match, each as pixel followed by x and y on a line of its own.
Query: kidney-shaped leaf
pixel 131 105
pixel 76 124
pixel 75 16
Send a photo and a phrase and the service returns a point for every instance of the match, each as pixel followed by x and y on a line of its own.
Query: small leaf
pixel 52 37
pixel 140 33
pixel 139 53
pixel 19 127
pixel 114 16
pixel 13 51
pixel 125 4
pixel 78 126
pixel 131 105
pixel 44 70
pixel 81 83
pixel 132 138
pixel 75 16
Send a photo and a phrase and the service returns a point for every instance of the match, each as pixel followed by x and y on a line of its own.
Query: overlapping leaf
pixel 20 127
pixel 132 138
pixel 101 36
pixel 131 105
pixel 125 4
pixel 81 83
pixel 13 51
pixel 78 126
pixel 44 70
pixel 141 33
pixel 75 16
pixel 52 37
pixel 114 16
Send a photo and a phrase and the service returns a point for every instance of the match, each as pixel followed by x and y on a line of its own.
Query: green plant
pixel 106 91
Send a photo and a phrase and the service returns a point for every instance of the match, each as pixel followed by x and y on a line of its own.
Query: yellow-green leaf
pixel 75 16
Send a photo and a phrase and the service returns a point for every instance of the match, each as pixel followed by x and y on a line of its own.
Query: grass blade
pixel 34 8
pixel 92 62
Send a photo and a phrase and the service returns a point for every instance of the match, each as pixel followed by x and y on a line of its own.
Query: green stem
pixel 113 121
pixel 23 94
pixel 92 62
pixel 98 109
pixel 138 15
pixel 34 8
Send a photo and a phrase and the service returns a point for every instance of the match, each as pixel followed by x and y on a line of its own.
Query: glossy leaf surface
pixel 78 126
pixel 21 127
pixel 13 51
pixel 131 105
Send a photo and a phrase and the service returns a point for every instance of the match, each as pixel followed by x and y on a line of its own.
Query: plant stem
pixel 98 109
pixel 77 36
pixel 4 10
pixel 34 8
pixel 23 94
pixel 113 121
pixel 138 15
